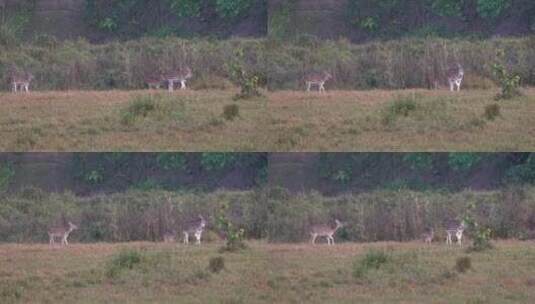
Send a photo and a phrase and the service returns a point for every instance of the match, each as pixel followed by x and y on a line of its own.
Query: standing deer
pixel 61 232
pixel 428 236
pixel 195 228
pixel 181 75
pixel 317 79
pixel 22 80
pixel 326 231
pixel 457 230
pixel 455 77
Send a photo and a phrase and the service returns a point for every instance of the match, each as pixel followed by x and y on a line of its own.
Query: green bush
pixel 140 106
pixel 509 82
pixel 463 264
pixel 401 106
pixel 373 260
pixel 125 260
pixel 492 111
pixel 216 264
pixel 231 112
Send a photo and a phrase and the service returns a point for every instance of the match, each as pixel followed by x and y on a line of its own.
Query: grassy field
pixel 265 273
pixel 409 120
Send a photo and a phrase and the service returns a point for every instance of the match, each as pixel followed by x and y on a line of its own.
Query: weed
pixel 492 111
pixel 373 260
pixel 216 264
pixel 125 260
pixel 509 82
pixel 235 236
pixel 140 106
pixel 463 264
pixel 231 112
pixel 401 106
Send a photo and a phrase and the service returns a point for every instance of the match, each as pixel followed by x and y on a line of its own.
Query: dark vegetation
pixel 88 174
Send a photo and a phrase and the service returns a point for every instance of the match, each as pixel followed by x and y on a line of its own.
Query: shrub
pixel 125 260
pixel 140 106
pixel 401 106
pixel 235 236
pixel 492 111
pixel 230 112
pixel 509 82
pixel 216 264
pixel 373 260
pixel 463 264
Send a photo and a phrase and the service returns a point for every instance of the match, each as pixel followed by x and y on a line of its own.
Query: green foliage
pixel 140 106
pixel 373 260
pixel 401 106
pixel 452 8
pixel 492 8
pixel 481 234
pixel 6 173
pixel 125 260
pixel 235 235
pixel 232 8
pixel 171 161
pixel 463 161
pixel 248 82
pixel 185 8
pixel 217 161
pixel 216 264
pixel 94 177
pixel 231 112
pixel 492 111
pixel 522 173
pixel 419 161
pixel 509 82
pixel 463 264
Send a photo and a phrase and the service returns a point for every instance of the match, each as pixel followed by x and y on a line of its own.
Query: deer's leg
pixel 182 84
pixel 308 86
pixel 198 237
pixel 186 238
pixel 51 240
pixel 313 240
pixel 171 85
pixel 322 88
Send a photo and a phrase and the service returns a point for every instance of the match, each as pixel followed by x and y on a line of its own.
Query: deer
pixel 181 75
pixel 457 230
pixel 22 80
pixel 428 236
pixel 61 232
pixel 154 81
pixel 455 77
pixel 326 231
pixel 195 228
pixel 169 237
pixel 317 79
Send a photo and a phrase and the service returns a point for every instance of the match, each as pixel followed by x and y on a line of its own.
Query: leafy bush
pixel 492 111
pixel 235 236
pixel 401 106
pixel 216 264
pixel 230 112
pixel 140 106
pixel 373 260
pixel 125 260
pixel 509 82
pixel 463 264
pixel 6 173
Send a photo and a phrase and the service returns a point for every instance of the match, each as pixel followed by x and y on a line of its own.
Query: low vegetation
pixel 267 273
pixel 414 120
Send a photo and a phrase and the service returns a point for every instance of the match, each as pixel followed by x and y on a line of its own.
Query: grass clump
pixel 216 264
pixel 463 264
pixel 373 260
pixel 492 111
pixel 140 106
pixel 402 106
pixel 231 112
pixel 124 260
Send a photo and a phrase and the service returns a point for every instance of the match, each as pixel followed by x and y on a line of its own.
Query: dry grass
pixel 281 121
pixel 266 273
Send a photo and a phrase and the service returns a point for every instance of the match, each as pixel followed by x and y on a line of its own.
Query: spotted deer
pixel 22 80
pixel 181 75
pixel 317 79
pixel 457 230
pixel 62 233
pixel 326 231
pixel 455 77
pixel 195 228
pixel 428 236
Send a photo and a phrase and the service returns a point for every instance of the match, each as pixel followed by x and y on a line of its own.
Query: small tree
pixel 509 82
pixel 249 83
pixel 480 234
pixel 235 235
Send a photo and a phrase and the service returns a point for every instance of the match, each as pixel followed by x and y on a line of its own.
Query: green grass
pixel 410 120
pixel 266 273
